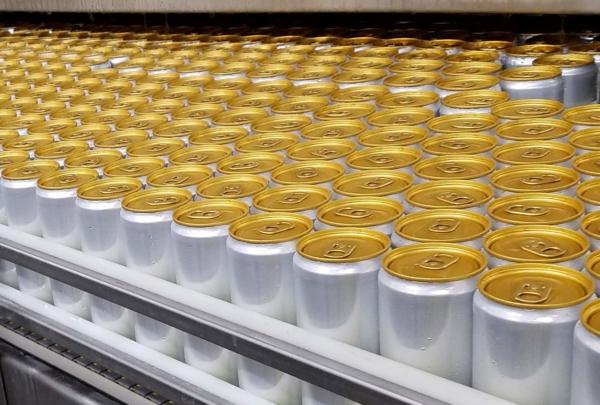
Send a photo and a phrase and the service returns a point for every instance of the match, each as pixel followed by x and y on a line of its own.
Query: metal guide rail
pixel 348 371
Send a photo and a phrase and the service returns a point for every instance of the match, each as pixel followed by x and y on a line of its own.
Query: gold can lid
pixel 475 99
pixel 268 86
pixel 28 142
pixel 534 178
pixel 60 149
pixel 473 56
pixel 411 79
pixel 120 139
pixel 67 179
pixel 362 63
pixel 384 49
pixel 442 225
pixel 408 99
pixel 383 157
pixel 179 128
pixel 108 117
pixel 434 262
pixel 588 139
pixel 96 99
pixel 197 66
pixel 208 213
pixel 400 116
pixel 270 70
pixel 466 82
pixel 255 100
pixel 252 163
pixel 238 116
pixel 588 115
pixel 589 191
pixel 124 103
pixel 334 129
pixel 117 85
pixel 284 59
pixel 397 135
pixel 299 105
pixel 529 108
pixel 228 84
pixel 8 157
pixel 321 149
pixel 312 73
pixel 193 81
pixel 24 121
pixel 311 89
pixel 360 211
pixel 458 194
pixel 424 53
pixel 46 107
pixel 344 111
pixel 358 94
pixel 108 188
pixel 197 111
pixel 346 245
pixel 29 170
pixel 536 286
pixel 535 208
pixel 232 186
pixel 308 172
pixel 534 50
pixel 457 167
pixel 176 93
pixel 272 227
pixel 291 198
pixel 467 143
pixel 378 183
pixel 93 159
pixel 588 163
pixel 218 135
pixel 248 57
pixel 84 132
pixel 203 154
pixel 534 152
pixel 217 96
pixel 358 75
pixel 267 142
pixel 489 44
pixel 536 244
pixel 566 60
pixel 133 167
pixel 156 200
pixel 530 73
pixel 143 90
pixel 281 123
pixel 155 147
pixel 146 121
pixel 471 68
pixel 159 106
pixel 534 129
pixel 590 317
pixel 52 126
pixel 462 123
pixel 179 176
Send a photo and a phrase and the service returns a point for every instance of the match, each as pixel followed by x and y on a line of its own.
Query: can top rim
pixel 531 150
pixel 110 188
pixel 520 200
pixel 475 99
pixel 29 169
pixel 93 158
pixel 210 213
pixel 528 73
pixel 252 162
pixel 454 198
pixel 571 60
pixel 179 175
pixel 589 317
pixel 383 157
pixel 266 142
pixel 291 198
pixel 360 211
pixel 400 135
pixel 570 175
pixel 272 227
pixel 528 108
pixel 232 186
pixel 449 166
pixel 583 115
pixel 155 200
pixel 375 182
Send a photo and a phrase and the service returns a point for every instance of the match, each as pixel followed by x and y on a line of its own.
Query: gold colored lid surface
pixel 180 128
pixel 358 94
pixel 218 136
pixel 108 188
pixel 268 86
pixel 321 149
pixel 252 163
pixel 588 139
pixel 475 99
pixel 272 227
pixel 298 105
pixel 468 143
pixel 535 208
pixel 536 286
pixel 24 121
pixel 358 74
pixel 434 262
pixel 529 108
pixel 360 211
pixel 208 213
pixel 308 172
pixel 347 245
pixel 536 244
pixel 228 84
pixel 473 56
pixel 216 96
pixel 156 200
pixel 281 123
pixel 589 191
pixel 179 176
pixel 198 111
pixel 120 139
pixel 372 183
pixel 270 70
pixel 159 106
pixel 146 121
pixel 411 79
pixel 232 186
pixel 534 129
pixel 442 225
pixel 365 63
pixel 312 73
pixel 255 100
pixel 590 317
pixel 155 147
pixel 123 103
pixel 292 198
pixel 590 225
pixel 60 149
pixel 416 65
pixel 383 157
pixel 530 73
pixel 460 194
pixel 8 157
pixel 457 167
pixel 569 60
pixel 408 99
pixel 108 116
pixel 401 116
pixel 200 154
pixel 333 129
pixel 344 111
pixel 267 142
pixel 133 167
pixel 471 68
pixel 238 116
pixel 533 50
pixel 422 53
pixel 93 158
pixel 311 89
pixel 462 123
pixel 27 142
pixel 533 152
pixel 29 170
pixel 84 132
pixel 400 135
pixel 534 178
pixel 67 179
pixel 588 115
pixel 466 82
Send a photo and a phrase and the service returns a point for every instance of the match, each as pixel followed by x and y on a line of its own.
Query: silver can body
pixel 580 85
pixel 585 372
pixel 445 110
pixel 428 325
pixel 159 336
pixel 523 355
pixel 552 89
pixel 511 61
pixel 313 395
pixel 8 273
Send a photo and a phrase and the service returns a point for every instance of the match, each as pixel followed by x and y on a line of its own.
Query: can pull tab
pixel 400 136
pixel 293 198
pixel 117 188
pixel 527 210
pixel 244 165
pixel 468 125
pixel 131 169
pixel 377 183
pixel 450 168
pixel 454 198
pixel 480 101
pixel 67 179
pixel 285 125
pixel 414 80
pixel 438 261
pixel 197 158
pixel 157 202
pixel 454 145
pixel 122 142
pixel 467 84
pixel 540 179
pixel 444 225
pixel 533 293
pixel 354 213
pixel 338 113
pixel 594 117
pixel 359 76
pixel 139 124
pixel 268 143
pixel 323 152
pixel 401 119
pixel 65 149
pixel 222 137
pixel 533 110
pixel 340 250
pixel 332 133
pixel 535 153
pixel 201 214
pixel 158 148
pixel 273 229
pixel 177 179
pixel 307 173
pixel 380 159
pixel 30 171
pixel 231 190
pixel 404 100
pixel 542 248
pixel 538 130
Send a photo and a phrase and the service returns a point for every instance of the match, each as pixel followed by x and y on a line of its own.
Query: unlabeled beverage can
pixel 379 183
pixel 472 102
pixel 585 140
pixel 589 193
pixel 455 123
pixel 587 165
pixel 258 163
pixel 459 143
pixel 95 159
pixel 524 55
pixel 301 199
pixel 590 226
pixel 454 167
pixel 399 158
pixel 181 176
pixel 332 150
pixel 397 135
pixel 584 116
pixel 534 178
pixel 138 167
pixel 533 152
pixel 528 108
pixel 316 172
pixel 539 82
pixel 240 187
pixel 458 194
pixel 586 349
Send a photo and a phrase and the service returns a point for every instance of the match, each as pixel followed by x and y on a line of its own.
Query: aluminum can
pixel 146 218
pixel 587 165
pixel 589 193
pixel 310 172
pixel 182 176
pixel 267 72
pixel 579 74
pixel 585 357
pixel 583 117
pixel 133 167
pixel 424 99
pixel 157 147
pixel 98 207
pixel 397 135
pixel 92 159
pixel 198 111
pixel 425 306
pixel 305 105
pixel 226 136
pixel 335 281
pixel 270 86
pixel 454 84
pixel 458 143
pixel 215 96
pixel 524 55
pixel 310 89
pixel 450 46
pixel 533 152
pixel 448 124
pixel 144 122
pixel 423 53
pixel 362 94
pixel 59 151
pixel 399 158
pixel 471 68
pixel 27 143
pixel 376 213
pixel 335 129
pixel 240 187
pixel 523 321
pixel 441 225
pixel 535 209
pixel 205 154
pixel 592 268
pixel 534 178
pixel 346 111
pixel 358 77
pixel 260 163
pixel 456 194
pixel 413 116
pixel 527 108
pixel 454 167
pixel 330 150
pixel 199 233
pixel 18 186
pixel 86 132
pixel 298 198
pixel 534 129
pixel 416 65
pixel 165 107
pixel 537 82
pixel 585 140
pixel 377 183
pixel 411 81
pixel 472 102
pixel 590 227
pixel 254 100
pixel 543 244
pixel 267 142
pixel 56 194
pixel 180 129
pixel 108 117
pixel 310 75
pixel 51 126
pixel 120 140
pixel 22 123
pixel 238 117
pixel 259 256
